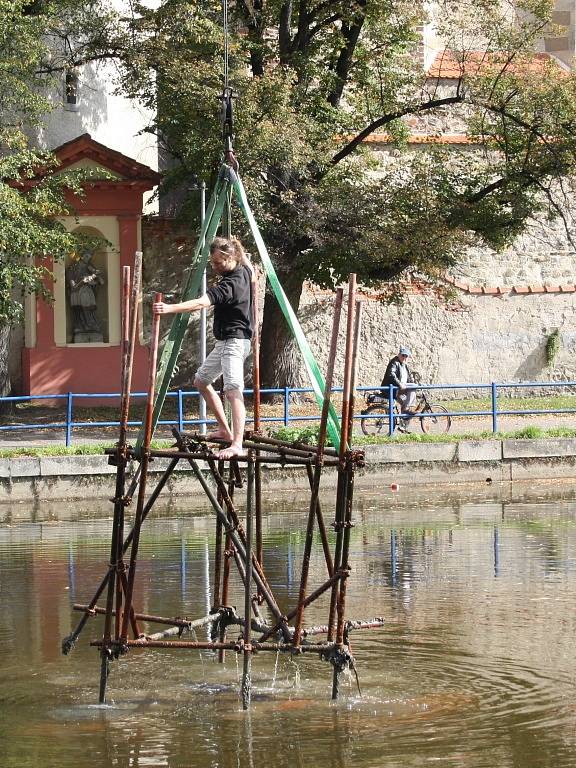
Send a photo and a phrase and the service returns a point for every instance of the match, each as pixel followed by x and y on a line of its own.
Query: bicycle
pixel 376 417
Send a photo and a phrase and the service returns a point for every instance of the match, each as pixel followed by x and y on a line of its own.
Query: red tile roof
pixel 422 138
pixel 451 65
pixel 423 287
pixel 511 289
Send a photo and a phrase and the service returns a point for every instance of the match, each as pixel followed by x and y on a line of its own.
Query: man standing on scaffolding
pixel 231 298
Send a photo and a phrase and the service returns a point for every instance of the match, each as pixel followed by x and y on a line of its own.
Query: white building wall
pixel 561 43
pixel 109 118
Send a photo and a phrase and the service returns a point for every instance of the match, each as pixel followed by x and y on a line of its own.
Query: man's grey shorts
pixel 226 359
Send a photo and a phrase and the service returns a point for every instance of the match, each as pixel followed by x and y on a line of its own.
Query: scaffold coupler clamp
pixel 226 615
pixel 68 644
pixel 120 456
pixel 340 658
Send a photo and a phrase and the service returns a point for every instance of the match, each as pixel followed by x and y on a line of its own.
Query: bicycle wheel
pixel 439 423
pixel 375 420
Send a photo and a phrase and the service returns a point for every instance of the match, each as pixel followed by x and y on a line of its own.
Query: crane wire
pixel 226 46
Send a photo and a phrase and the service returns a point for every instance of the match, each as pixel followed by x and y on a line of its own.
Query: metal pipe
pixel 329 451
pixel 203 313
pixel 225 587
pixel 132 332
pixel 350 625
pixel 255 442
pixel 341 603
pixel 189 627
pixel 148 425
pixel 341 494
pixel 338 525
pixel 345 568
pixel 114 584
pixel 258 516
pixel 262 441
pixel 246 689
pixel 236 525
pixel 129 324
pixel 228 554
pixel 147 617
pixel 256 404
pixel 355 358
pixel 322 648
pixel 310 599
pixel 348 365
pixel 218 549
pixel 318 465
pixel 322 528
pixel 69 641
pixel 205 456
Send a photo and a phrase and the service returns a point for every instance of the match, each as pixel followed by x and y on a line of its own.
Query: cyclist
pixel 398 374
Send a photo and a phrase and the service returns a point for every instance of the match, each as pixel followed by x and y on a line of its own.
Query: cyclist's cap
pixel 405 351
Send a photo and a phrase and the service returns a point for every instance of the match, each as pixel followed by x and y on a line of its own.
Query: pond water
pixel 474 667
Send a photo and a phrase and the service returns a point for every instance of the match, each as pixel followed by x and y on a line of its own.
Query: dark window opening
pixel 71 93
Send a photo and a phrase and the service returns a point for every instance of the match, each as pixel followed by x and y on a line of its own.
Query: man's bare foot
pixel 231 452
pixel 220 434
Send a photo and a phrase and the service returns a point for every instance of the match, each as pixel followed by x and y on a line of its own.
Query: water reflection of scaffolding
pixel 264 627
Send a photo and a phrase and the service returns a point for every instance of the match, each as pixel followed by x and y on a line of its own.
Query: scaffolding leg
pixel 247 668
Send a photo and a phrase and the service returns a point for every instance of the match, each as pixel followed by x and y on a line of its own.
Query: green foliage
pixel 308 435
pixel 553 343
pixel 31 197
pixel 93 449
pixel 311 79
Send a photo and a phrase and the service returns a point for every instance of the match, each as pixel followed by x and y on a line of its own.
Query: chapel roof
pixel 84 147
pixel 451 65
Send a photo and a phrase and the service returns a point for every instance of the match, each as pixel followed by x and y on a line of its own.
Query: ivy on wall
pixel 553 343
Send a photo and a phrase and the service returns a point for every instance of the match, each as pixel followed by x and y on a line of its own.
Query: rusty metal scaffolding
pixel 264 626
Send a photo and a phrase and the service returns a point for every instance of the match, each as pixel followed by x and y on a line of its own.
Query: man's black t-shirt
pixel 231 298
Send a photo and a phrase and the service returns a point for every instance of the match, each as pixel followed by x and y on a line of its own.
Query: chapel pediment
pixel 85 152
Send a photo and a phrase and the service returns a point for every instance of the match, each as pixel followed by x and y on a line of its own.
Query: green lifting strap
pixel 314 373
pixel 227 178
pixel 179 325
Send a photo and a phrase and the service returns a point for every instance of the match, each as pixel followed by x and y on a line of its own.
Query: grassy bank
pixel 93 449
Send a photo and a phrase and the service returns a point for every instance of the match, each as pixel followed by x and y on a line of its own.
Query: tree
pixel 34 43
pixel 312 80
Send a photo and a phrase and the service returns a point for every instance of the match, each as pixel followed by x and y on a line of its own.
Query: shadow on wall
pixel 533 365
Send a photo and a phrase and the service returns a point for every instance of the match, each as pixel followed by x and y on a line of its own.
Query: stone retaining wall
pixel 480 462
pixel 472 339
pixel 494 328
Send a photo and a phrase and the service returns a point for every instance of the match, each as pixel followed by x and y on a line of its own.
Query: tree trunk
pixel 5 383
pixel 280 361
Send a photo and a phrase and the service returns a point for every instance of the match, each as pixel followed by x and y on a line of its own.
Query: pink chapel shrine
pixel 73 345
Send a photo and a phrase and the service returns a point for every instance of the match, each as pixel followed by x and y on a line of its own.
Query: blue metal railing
pixel 180 396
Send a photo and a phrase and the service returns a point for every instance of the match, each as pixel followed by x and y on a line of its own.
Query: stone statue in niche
pixel 82 282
